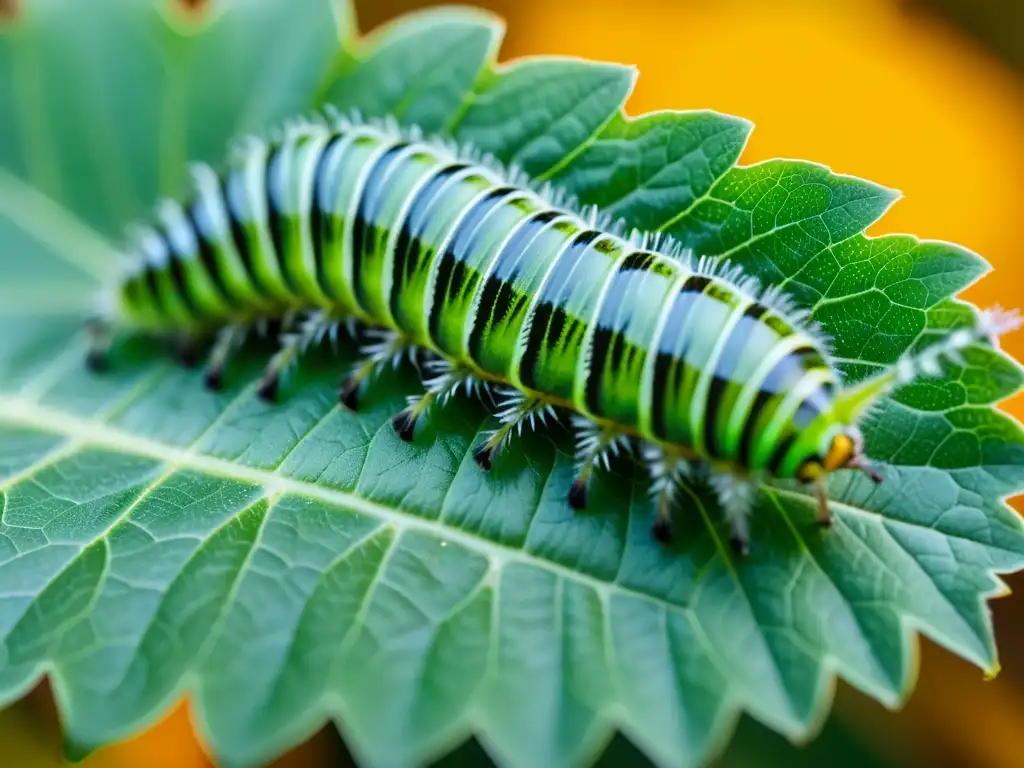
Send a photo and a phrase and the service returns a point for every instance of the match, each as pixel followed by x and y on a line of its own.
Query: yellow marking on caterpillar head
pixel 839 454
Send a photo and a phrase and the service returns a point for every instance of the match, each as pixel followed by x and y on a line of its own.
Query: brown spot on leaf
pixel 8 10
pixel 191 8
pixel 188 15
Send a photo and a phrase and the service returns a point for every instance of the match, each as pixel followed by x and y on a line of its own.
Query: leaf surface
pixel 292 563
pixel 421 70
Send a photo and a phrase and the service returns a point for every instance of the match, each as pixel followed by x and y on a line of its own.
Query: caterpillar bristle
pixel 509 173
pixel 991 324
pixel 736 498
pixel 638 238
pixel 392 126
pixel 996 322
pixel 305 128
pixel 673 248
pixel 617 228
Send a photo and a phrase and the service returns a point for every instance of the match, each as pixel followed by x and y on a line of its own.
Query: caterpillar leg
pixel 293 344
pixel 856 457
pixel 736 497
pixel 861 464
pixel 387 348
pixel 229 338
pixel 824 513
pixel 516 410
pixel 188 350
pixel 446 381
pixel 101 337
pixel 595 445
pixel 668 471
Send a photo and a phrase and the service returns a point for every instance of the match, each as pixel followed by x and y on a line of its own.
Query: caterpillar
pixel 494 284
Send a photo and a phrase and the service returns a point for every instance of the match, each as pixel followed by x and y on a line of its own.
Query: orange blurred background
pixel 892 91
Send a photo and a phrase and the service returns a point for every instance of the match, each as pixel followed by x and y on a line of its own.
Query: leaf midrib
pixel 28 413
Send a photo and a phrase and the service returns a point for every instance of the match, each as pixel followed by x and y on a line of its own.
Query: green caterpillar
pixel 509 288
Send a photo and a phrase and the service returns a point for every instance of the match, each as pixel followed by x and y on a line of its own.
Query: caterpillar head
pixel 826 445
pixel 834 440
pixel 836 437
pixel 842 448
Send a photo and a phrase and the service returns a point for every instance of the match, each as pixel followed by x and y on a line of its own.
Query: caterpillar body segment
pixel 506 289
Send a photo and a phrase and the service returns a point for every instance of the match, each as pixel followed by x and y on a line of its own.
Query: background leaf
pixel 292 563
pixel 537 113
pixel 421 69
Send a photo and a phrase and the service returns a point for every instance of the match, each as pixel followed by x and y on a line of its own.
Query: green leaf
pixel 653 170
pixel 107 129
pixel 289 564
pixel 538 113
pixel 420 70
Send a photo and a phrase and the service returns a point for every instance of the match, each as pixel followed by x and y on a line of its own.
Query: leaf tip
pixel 76 751
pixel 426 22
pixel 992 671
pixel 742 124
pixel 890 195
pixel 618 71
